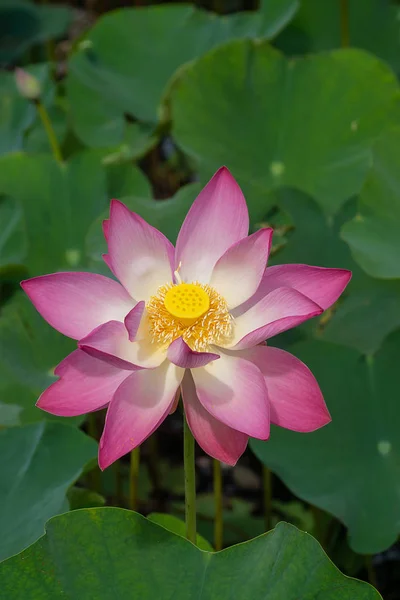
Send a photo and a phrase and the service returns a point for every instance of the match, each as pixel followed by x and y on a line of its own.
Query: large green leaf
pixel 373 25
pixel 60 202
pixel 99 123
pixel 314 239
pixel 373 235
pixel 172 523
pixel 124 553
pixel 128 57
pixel 349 467
pixel 275 121
pixel 12 233
pixel 29 351
pixel 39 462
pixel 368 312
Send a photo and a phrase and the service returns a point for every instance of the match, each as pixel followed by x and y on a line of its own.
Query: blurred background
pixel 144 102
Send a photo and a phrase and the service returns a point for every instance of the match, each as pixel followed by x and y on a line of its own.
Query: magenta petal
pixel 278 311
pixel 110 343
pixel 181 355
pixel 323 286
pixel 139 255
pixel 296 399
pixel 132 320
pixel 76 303
pixel 233 390
pixel 238 272
pixel 216 439
pixel 85 384
pixel 138 407
pixel 217 219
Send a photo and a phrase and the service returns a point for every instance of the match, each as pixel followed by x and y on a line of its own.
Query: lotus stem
pixel 134 478
pixel 370 570
pixel 190 482
pixel 218 520
pixel 51 134
pixel 267 497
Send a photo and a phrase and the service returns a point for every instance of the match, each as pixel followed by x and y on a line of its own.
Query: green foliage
pixel 114 60
pixel 275 121
pixel 147 103
pixel 147 561
pixel 17 114
pixel 372 25
pixel 350 466
pixel 24 24
pixel 373 234
pixel 30 350
pixel 177 526
pixel 39 463
pixel 314 238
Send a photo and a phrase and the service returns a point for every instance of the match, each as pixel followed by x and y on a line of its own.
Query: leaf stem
pixel 267 497
pixel 344 24
pixel 371 571
pixel 190 482
pixel 51 134
pixel 94 474
pixel 134 478
pixel 218 520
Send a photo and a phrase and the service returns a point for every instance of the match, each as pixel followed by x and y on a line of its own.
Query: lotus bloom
pixel 190 320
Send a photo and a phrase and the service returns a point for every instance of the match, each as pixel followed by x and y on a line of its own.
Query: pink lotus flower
pixel 192 319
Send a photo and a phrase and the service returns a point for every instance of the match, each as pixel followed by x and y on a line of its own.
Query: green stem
pixel 134 478
pixel 92 425
pixel 119 490
pixel 190 482
pixel 267 497
pixel 218 521
pixel 370 570
pixel 94 475
pixel 51 134
pixel 153 462
pixel 344 24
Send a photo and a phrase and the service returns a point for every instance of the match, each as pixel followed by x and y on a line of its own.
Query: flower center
pixel 193 311
pixel 187 302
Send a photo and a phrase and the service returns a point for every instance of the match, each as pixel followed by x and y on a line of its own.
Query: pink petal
pixel 106 225
pixel 132 320
pixel 296 400
pixel 323 286
pixel 85 384
pixel 139 406
pixel 217 219
pixel 216 439
pixel 181 355
pixel 278 311
pixel 139 255
pixel 110 343
pixel 233 390
pixel 239 271
pixel 76 303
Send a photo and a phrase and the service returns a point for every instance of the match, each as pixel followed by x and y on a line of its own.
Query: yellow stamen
pixel 202 322
pixel 187 302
